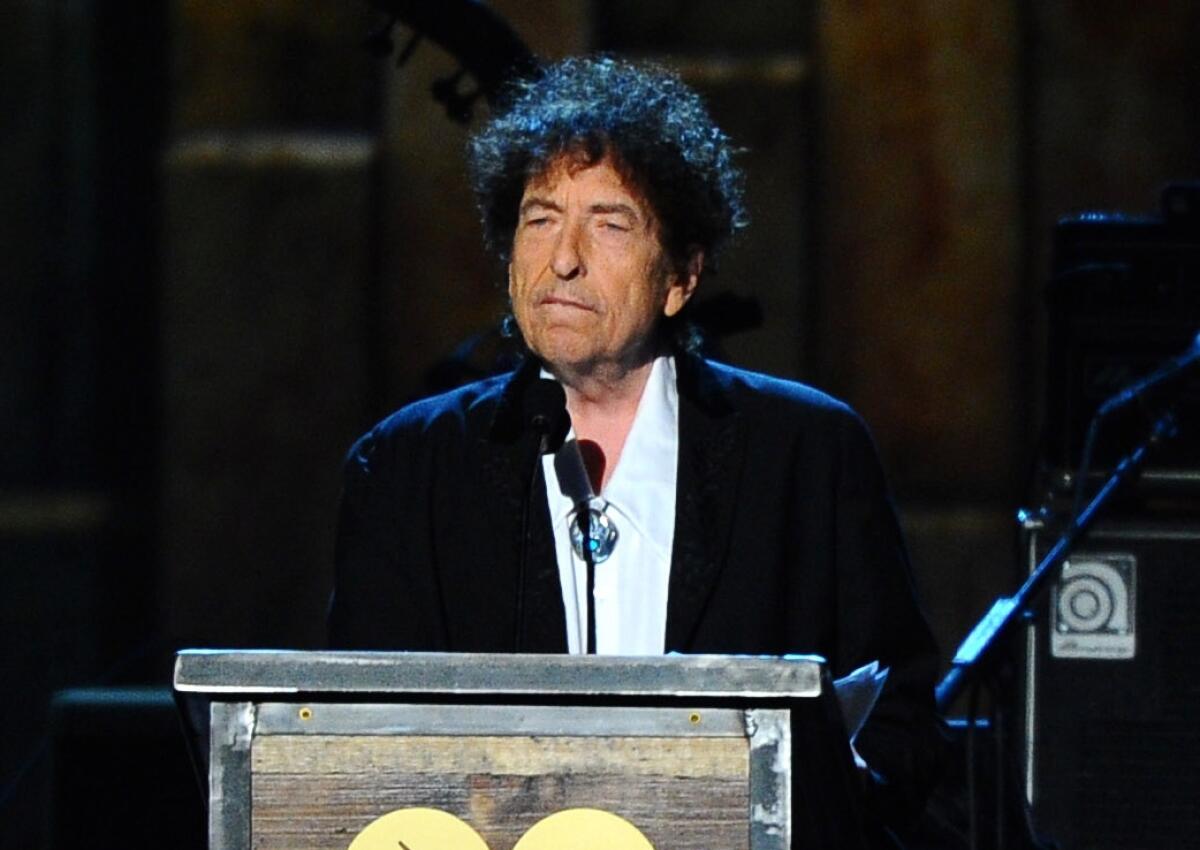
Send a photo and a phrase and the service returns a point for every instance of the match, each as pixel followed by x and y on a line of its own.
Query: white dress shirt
pixel 631 585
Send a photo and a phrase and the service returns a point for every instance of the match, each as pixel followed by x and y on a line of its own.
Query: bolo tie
pixel 591 530
pixel 591 526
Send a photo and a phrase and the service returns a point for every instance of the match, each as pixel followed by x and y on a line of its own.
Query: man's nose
pixel 567 260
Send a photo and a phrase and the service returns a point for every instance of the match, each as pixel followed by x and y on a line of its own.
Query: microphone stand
pixel 984 643
pixel 544 409
pixel 583 513
pixel 984 646
pixel 977 650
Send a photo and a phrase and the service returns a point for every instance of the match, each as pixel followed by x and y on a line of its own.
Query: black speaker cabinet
pixel 1112 695
pixel 1124 297
pixel 122 779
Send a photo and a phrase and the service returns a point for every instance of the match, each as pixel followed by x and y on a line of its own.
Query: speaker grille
pixel 1137 785
pixel 1179 624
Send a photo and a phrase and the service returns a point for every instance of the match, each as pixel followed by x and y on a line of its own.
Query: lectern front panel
pixel 685 777
pixel 332 750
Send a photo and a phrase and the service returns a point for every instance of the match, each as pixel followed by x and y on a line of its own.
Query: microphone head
pixel 544 411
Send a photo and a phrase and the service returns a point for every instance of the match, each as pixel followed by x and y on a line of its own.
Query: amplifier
pixel 1123 298
pixel 1111 744
pixel 122 778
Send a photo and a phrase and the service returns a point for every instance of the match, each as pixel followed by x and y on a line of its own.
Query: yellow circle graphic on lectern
pixel 418 829
pixel 583 829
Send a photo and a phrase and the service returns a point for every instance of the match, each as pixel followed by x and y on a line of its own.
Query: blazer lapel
pixel 711 450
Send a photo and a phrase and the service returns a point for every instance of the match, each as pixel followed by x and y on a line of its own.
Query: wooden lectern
pixel 305 749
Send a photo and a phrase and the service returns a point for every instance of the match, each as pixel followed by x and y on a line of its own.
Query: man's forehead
pixel 604 175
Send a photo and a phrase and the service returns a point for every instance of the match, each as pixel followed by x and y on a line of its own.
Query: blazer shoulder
pixel 457 413
pixel 755 392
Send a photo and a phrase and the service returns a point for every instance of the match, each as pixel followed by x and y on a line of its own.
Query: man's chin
pixel 563 348
pixel 567 363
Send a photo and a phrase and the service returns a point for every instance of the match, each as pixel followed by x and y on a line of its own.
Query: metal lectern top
pixel 204 671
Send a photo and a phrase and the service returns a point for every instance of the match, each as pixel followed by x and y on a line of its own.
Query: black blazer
pixel 785 542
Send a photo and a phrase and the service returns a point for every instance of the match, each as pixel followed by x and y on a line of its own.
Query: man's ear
pixel 684 284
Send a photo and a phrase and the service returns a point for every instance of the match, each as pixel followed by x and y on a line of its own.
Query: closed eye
pixel 537 222
pixel 615 224
pixel 538 211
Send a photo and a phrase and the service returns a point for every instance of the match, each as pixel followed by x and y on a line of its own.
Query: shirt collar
pixel 653 437
pixel 646 470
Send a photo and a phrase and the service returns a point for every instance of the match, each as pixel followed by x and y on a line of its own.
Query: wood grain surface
pixel 319 791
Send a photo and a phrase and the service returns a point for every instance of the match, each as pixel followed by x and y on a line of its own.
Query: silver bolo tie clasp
pixel 602 532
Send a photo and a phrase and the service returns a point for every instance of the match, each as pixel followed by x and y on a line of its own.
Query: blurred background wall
pixel 234 239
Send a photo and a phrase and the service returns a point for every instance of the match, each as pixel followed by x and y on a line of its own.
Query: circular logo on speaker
pixel 1092 596
pixel 1085 604
pixel 1092 608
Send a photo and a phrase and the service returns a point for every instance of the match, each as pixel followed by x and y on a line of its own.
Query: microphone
pixel 575 485
pixel 1163 381
pixel 544 412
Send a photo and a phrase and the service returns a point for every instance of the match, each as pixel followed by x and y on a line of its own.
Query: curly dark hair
pixel 654 128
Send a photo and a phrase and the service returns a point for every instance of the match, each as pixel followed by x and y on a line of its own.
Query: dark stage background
pixel 233 240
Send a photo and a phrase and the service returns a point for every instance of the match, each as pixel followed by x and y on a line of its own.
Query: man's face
pixel 589 280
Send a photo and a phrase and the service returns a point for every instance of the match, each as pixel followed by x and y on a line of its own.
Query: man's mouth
pixel 563 301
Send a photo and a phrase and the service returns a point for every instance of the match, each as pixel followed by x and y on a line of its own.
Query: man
pixel 744 514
